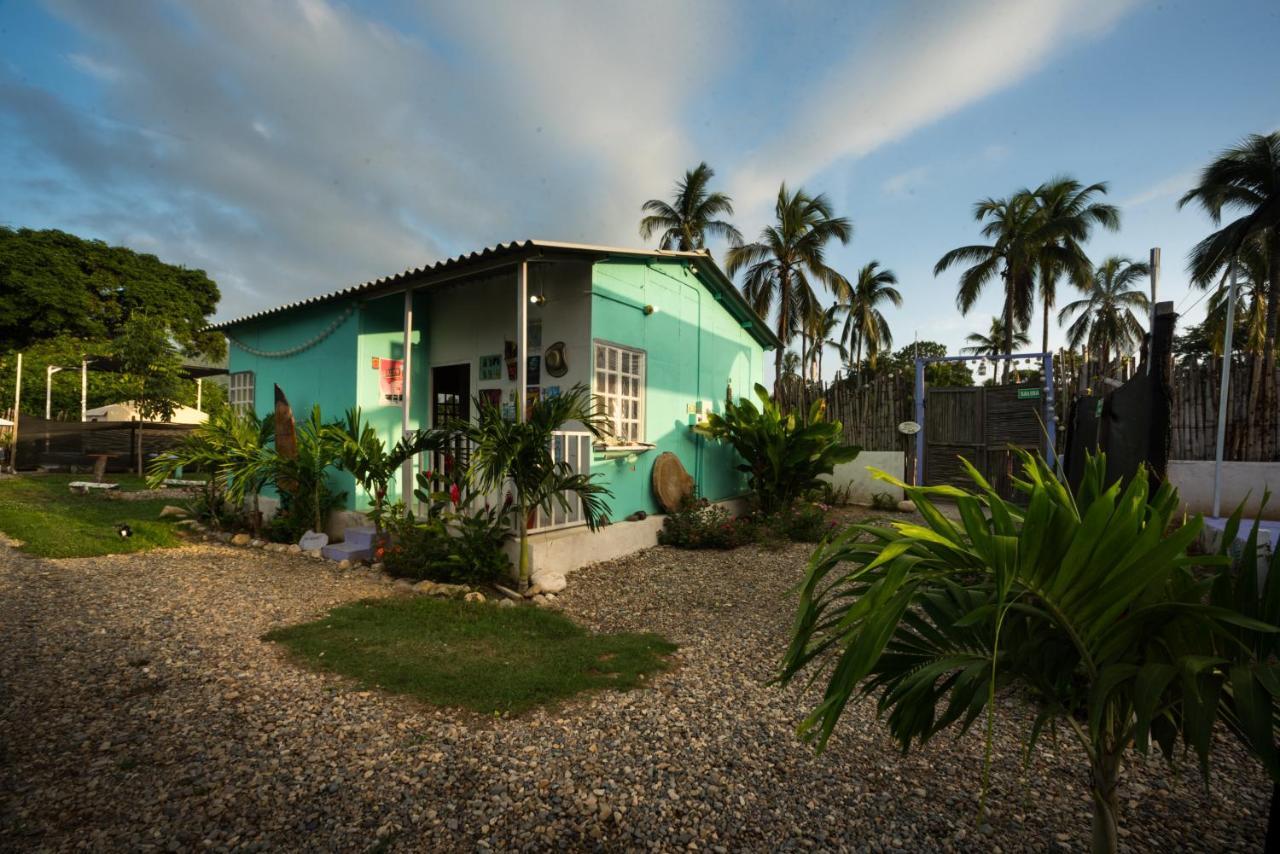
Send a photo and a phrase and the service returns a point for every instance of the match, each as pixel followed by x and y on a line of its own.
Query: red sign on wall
pixel 391 380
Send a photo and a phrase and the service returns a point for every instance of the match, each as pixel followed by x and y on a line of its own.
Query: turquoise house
pixel 661 337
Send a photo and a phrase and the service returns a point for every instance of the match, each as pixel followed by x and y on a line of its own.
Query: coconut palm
pixel 692 215
pixel 518 454
pixel 786 260
pixel 864 323
pixel 821 327
pixel 1068 212
pixel 1105 322
pixel 1015 253
pixel 1085 603
pixel 991 345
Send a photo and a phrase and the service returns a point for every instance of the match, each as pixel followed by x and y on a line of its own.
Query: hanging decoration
pixel 282 354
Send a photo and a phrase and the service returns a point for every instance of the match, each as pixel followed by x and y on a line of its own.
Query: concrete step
pixel 347 551
pixel 362 537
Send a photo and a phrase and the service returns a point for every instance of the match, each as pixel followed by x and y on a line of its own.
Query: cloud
pixel 905 183
pixel 1171 187
pixel 927 61
pixel 292 148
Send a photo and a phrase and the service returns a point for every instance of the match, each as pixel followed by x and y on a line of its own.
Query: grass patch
pixel 478 657
pixel 51 521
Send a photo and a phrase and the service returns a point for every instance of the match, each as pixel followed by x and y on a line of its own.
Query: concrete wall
pixel 693 349
pixel 1194 480
pixel 859 481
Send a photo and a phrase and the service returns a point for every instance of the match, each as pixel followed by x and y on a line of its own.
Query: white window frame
pixel 241 387
pixel 609 400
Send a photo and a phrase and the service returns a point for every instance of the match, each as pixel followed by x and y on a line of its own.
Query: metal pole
pixel 522 335
pixel 919 479
pixel 199 392
pixel 84 389
pixel 1222 394
pixel 1151 320
pixel 17 404
pixel 1050 411
pixel 49 371
pixel 406 397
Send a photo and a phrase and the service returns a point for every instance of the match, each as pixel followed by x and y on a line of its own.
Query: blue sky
pixel 292 148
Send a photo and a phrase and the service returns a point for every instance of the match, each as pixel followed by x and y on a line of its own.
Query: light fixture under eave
pixel 537 299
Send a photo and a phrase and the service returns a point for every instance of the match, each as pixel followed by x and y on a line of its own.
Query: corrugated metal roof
pixel 702 259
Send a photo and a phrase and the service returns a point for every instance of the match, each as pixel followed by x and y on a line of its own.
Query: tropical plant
pixel 821 327
pixel 699 524
pixel 1106 322
pixel 992 344
pixel 1068 213
pixel 787 257
pixel 692 215
pixel 518 454
pixel 364 454
pixel 864 322
pixel 1251 699
pixel 227 446
pixel 1088 600
pixel 302 480
pixel 782 456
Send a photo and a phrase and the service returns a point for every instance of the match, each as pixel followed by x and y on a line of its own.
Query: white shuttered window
pixel 240 391
pixel 619 384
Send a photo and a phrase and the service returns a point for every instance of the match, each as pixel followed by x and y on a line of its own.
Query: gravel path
pixel 139 711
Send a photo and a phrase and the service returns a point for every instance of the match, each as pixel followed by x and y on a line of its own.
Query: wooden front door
pixel 451 401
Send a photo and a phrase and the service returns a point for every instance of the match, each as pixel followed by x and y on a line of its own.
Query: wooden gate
pixel 980 424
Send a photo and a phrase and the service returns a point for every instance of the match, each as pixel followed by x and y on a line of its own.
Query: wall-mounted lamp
pixel 650 309
pixel 537 299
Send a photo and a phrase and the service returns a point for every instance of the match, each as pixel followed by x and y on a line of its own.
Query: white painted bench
pixel 84 487
pixel 174 481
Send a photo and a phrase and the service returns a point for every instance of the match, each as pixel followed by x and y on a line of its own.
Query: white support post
pixel 1222 394
pixel 1151 318
pixel 199 392
pixel 49 371
pixel 84 389
pixel 522 335
pixel 406 398
pixel 17 418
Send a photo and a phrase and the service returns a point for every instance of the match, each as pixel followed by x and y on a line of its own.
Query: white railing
pixel 570 446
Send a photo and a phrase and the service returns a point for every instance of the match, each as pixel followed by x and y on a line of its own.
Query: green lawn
pixel 476 656
pixel 51 521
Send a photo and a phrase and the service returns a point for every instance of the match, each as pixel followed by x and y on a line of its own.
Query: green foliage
pixel 782 457
pixel 518 453
pixel 691 216
pixel 802 522
pixel 362 452
pixel 884 501
pixel 150 366
pixel 479 657
pixel 42 513
pixel 57 285
pixel 939 374
pixel 1088 600
pixel 699 524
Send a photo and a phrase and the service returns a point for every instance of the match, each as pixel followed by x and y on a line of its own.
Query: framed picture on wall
pixel 534 334
pixel 491 396
pixel 533 371
pixel 491 367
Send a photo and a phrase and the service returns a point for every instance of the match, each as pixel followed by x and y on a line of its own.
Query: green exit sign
pixel 1028 393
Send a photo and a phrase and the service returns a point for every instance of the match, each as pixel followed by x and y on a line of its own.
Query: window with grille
pixel 619 385
pixel 240 391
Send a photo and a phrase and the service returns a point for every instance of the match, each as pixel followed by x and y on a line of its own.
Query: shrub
pixel 699 524
pixel 884 501
pixel 459 543
pixel 803 523
pixel 783 456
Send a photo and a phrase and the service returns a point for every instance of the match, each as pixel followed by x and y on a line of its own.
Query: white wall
pixel 1194 481
pixel 475 318
pixel 860 482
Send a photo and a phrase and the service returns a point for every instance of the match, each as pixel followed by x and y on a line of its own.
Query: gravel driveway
pixel 139 710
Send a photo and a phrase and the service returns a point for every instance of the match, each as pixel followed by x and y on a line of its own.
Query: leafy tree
pixel 1068 214
pixel 518 454
pixel 786 258
pixel 782 455
pixel 692 215
pixel 56 285
pixel 1087 601
pixel 992 344
pixel 1106 322
pixel 938 374
pixel 864 323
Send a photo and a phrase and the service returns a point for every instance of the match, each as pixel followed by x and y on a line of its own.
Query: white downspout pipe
pixel 406 398
pixel 1222 393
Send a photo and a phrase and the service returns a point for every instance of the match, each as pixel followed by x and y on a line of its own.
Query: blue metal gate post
pixel 1050 420
pixel 919 478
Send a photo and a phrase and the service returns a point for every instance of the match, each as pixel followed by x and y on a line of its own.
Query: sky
pixel 295 147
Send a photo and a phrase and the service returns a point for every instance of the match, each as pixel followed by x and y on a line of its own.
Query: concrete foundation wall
pixel 859 481
pixel 1194 481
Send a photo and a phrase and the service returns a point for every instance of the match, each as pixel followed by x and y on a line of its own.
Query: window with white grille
pixel 240 391
pixel 619 385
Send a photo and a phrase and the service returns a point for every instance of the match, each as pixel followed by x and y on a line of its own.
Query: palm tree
pixel 864 323
pixel 821 328
pixel 518 453
pixel 1015 253
pixel 1106 321
pixel 1068 214
pixel 991 345
pixel 786 257
pixel 691 215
